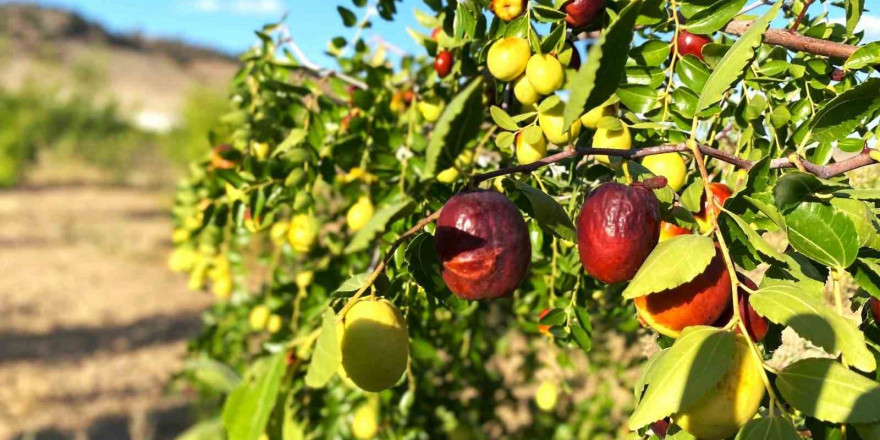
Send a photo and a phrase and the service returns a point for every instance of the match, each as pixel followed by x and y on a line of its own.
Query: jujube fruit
pixel 507 58
pixel 669 230
pixel 545 73
pixel 524 91
pixel 527 153
pixel 431 108
pixel 874 304
pixel 359 214
pixel 224 157
pixel 507 10
pixel 720 193
pixel 581 13
pixel 547 395
pixel 375 345
pixel 700 301
pixel 617 228
pixel 551 121
pixel 756 325
pixel 591 118
pixel 731 403
pixel 691 44
pixel 364 425
pixel 443 63
pixel 613 139
pixel 303 232
pixel 669 165
pixel 483 246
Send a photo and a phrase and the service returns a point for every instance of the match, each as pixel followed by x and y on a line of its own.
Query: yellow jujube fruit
pixel 303 232
pixel 222 287
pixel 258 317
pixel 591 118
pixel 273 325
pixel 278 232
pixel 359 214
pixel 615 140
pixel 431 108
pixel 304 279
pixel 364 426
pixel 733 401
pixel 527 153
pixel 524 91
pixel 545 73
pixel 375 345
pixel 551 121
pixel 669 165
pixel 182 259
pixel 507 58
pixel 546 395
pixel 450 174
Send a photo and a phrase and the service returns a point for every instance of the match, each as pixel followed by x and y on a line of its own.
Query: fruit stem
pixel 725 252
pixel 384 263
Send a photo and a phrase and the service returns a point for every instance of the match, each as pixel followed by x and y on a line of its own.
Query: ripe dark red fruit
pixel 874 304
pixel 721 192
pixel 483 246
pixel 575 61
pixel 691 44
pixel 618 227
pixel 443 63
pixel 700 301
pixel 660 427
pixel 582 13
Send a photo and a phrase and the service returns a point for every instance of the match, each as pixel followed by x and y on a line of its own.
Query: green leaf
pixel 377 224
pixel 326 356
pixel 458 125
pixel 217 375
pixel 793 188
pixel 868 431
pixel 547 14
pixel 348 17
pixel 867 55
pixel 714 17
pixel 651 53
pixel 249 406
pixel 826 390
pixel 755 240
pixel 736 60
pixel 694 364
pixel 867 274
pixel 780 116
pixel 600 76
pixel 768 428
pixel 839 117
pixel 860 214
pixel 854 9
pixel 692 72
pixel 823 234
pixel 211 429
pixel 423 265
pixel 353 284
pixel 671 264
pixel 637 98
pixel 547 212
pixel 504 140
pixel 813 320
pixel 502 119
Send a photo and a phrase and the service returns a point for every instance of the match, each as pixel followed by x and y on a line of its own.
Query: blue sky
pixel 229 24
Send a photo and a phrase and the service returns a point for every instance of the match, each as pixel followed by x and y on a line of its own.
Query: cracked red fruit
pixel 618 227
pixel 581 13
pixel 483 246
pixel 669 230
pixel 874 304
pixel 691 44
pixel 543 328
pixel 701 301
pixel 443 63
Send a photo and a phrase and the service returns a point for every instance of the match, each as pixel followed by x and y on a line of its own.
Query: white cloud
pixel 238 7
pixel 868 23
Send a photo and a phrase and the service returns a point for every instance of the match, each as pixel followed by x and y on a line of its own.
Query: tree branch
pixel 822 171
pixel 795 42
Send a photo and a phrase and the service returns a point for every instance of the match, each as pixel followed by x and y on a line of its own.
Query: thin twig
pixel 797 42
pixel 797 21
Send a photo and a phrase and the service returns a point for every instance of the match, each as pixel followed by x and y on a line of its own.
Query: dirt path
pixel 92 324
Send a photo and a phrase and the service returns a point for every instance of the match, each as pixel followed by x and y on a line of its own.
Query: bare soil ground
pixel 93 324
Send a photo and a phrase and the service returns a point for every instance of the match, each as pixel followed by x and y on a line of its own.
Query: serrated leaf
pixel 793 188
pixel 839 117
pixel 671 264
pixel 326 356
pixel 867 274
pixel 860 214
pixel 854 9
pixel 458 125
pixel 247 409
pixel 547 212
pixel 348 17
pixel 714 17
pixel 735 61
pixel 637 98
pixel 211 429
pixel 813 320
pixel 599 77
pixel 768 428
pixel 502 119
pixel 692 72
pixel 826 390
pixel 823 234
pixel 755 240
pixel 694 364
pixel 213 373
pixel 867 55
pixel 353 284
pixel 377 224
pixel 651 53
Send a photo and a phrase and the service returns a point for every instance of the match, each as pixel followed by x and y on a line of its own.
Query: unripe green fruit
pixel 527 153
pixel 616 140
pixel 669 165
pixel 375 345
pixel 508 57
pixel 545 73
pixel 591 118
pixel 551 124
pixel 524 91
